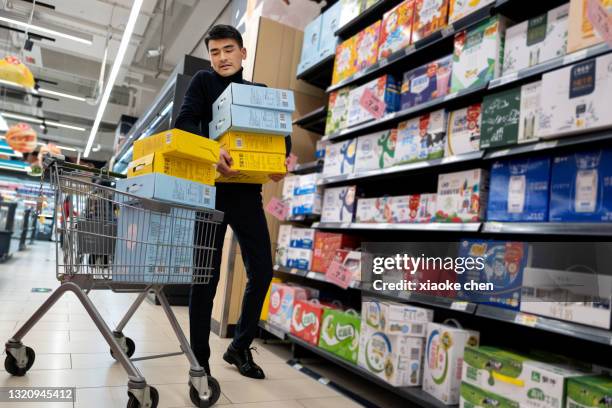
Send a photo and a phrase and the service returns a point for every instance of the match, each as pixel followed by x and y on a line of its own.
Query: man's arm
pixel 191 114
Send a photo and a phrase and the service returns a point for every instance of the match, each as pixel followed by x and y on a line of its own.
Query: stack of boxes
pixel 319 38
pixel 299 255
pixel 173 166
pixel 250 122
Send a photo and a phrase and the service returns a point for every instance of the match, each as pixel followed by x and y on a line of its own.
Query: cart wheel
pixel 129 350
pixel 133 402
pixel 215 393
pixel 10 363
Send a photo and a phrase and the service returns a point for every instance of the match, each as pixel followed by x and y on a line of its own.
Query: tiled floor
pixel 70 352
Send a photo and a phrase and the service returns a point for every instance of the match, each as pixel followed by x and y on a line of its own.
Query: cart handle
pixel 59 159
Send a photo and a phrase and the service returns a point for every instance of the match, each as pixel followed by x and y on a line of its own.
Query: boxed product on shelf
pixel 503 265
pixel 394 358
pixel 340 333
pixel 463 8
pixel 429 17
pixel 463 131
pixel 580 187
pixel 427 207
pixel 474 397
pixel 366 46
pixel 385 88
pixel 519 190
pixel 396 29
pixel 368 210
pixel 339 204
pixel 320 149
pixel 173 166
pixel 501 113
pixel 350 260
pixel 537 40
pixel 416 208
pixel 299 258
pixel 306 204
pixel 282 301
pixel 376 151
pixel 350 9
pixel 307 184
pixel 575 98
pixel 581 33
pixel 325 246
pixel 444 349
pixel 180 144
pixel 478 54
pixel 340 158
pixel 254 96
pixel 306 320
pixel 589 391
pixel 395 318
pixel 421 138
pixel 289 184
pixel 252 142
pixel 310 44
pixel 530 112
pixel 246 119
pixel 426 83
pixel 345 63
pixel 302 238
pixel 337 110
pixel 329 24
pixel 266 305
pixel 283 244
pixel 462 196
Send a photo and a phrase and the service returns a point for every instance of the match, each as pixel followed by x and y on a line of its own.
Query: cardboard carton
pixel 531 95
pixel 463 131
pixel 422 138
pixel 282 301
pixel 302 238
pixel 366 46
pixel 179 144
pixel 337 111
pixel 325 246
pixel 340 158
pixel 338 204
pixel 345 63
pixel 329 24
pixel 581 33
pixel 396 29
pixel 376 151
pixel 172 166
pixel 462 196
pixel 589 392
pixel 246 119
pixel 426 83
pixel 255 97
pixel 340 334
pixel 384 88
pixel 501 113
pixel 429 17
pixel 463 8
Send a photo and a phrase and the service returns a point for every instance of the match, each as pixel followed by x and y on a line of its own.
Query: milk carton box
pixel 282 300
pixel 463 131
pixel 426 83
pixel 330 22
pixel 422 138
pixel 340 158
pixel 385 88
pixel 430 16
pixel 310 44
pixel 463 8
pixel 396 318
pixel 299 258
pixel 337 110
pixel 339 204
pixel 581 33
pixel 531 95
pixel 589 391
pixel 501 113
pixel 396 29
pixel 340 334
pixel 462 196
pixel 284 242
pixel 302 238
pixel 376 151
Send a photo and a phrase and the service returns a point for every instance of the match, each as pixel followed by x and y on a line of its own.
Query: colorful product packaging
pixel 463 8
pixel 463 131
pixel 345 63
pixel 429 17
pixel 349 10
pixel 501 114
pixel 421 138
pixel 255 97
pixel 340 333
pixel 339 204
pixel 325 246
pixel 310 45
pixel 306 184
pixel 531 95
pixel 426 83
pixel 376 151
pixel 337 111
pixel 299 258
pixel 395 318
pixel 462 196
pixel 283 244
pixel 320 149
pixel 329 24
pixel 384 88
pixel 289 184
pixel 340 158
pixel 416 208
pixel 306 204
pixel 179 144
pixel 264 310
pixel 581 33
pixel 589 391
pixel 366 46
pixel 307 319
pixel 396 29
pixel 192 170
pixel 368 210
pixel 474 397
pixel 282 301
pixel 351 261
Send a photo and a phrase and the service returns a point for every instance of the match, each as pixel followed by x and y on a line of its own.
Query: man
pixel 241 203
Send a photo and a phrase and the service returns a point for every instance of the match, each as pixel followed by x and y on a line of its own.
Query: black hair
pixel 221 32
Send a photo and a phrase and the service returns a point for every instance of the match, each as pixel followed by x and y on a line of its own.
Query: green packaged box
pixel 337 111
pixel 340 333
pixel 501 114
pixel 474 397
pixel 593 391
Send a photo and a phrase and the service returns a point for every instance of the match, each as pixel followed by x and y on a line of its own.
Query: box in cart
pixel 395 358
pixel 337 110
pixel 254 166
pixel 299 258
pixel 310 44
pixel 463 8
pixel 501 113
pixel 426 83
pixel 536 40
pixel 396 318
pixel 429 17
pixel 252 142
pixel 168 188
pixel 306 204
pixel 581 32
pixel 421 138
pixel 376 151
pixel 444 348
pixel 463 131
pixel 580 188
pixel 173 166
pixel 396 29
pixel 575 98
pixel 255 97
pixel 340 333
pixel 340 158
pixel 282 301
pixel 531 95
pixel 246 119
pixel 474 397
pixel 339 204
pixel 307 319
pixel 345 63
pixel 178 143
pixel 519 190
pixel 283 244
pixel 462 196
pixel 589 391
pixel 302 238
pixel 366 45
pixel 325 246
pixel 478 54
pixel 385 88
pixel 329 24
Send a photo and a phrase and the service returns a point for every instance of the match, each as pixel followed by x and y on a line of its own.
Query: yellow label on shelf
pixel 253 142
pixel 193 170
pixel 178 143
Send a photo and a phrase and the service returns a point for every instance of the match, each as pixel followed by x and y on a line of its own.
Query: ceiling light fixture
pixel 62 94
pixel 127 34
pixel 32 119
pixel 33 27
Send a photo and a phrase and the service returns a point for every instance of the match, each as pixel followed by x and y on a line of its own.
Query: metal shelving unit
pixel 320 74
pixel 313 121
pixel 549 228
pixel 445 227
pixel 307 168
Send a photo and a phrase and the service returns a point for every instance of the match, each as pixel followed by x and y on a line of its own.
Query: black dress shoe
pixel 243 360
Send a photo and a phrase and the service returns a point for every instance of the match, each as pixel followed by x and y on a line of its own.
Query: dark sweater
pixel 196 113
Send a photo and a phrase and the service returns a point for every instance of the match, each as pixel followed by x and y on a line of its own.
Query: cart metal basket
pixel 107 239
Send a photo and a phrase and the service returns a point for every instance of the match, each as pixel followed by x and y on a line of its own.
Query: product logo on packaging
pixel 275 300
pixel 345 331
pixel 377 349
pixel 438 345
pixel 310 319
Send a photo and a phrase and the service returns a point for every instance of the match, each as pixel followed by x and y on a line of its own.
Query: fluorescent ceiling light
pixel 70 149
pixel 14 19
pixel 63 125
pixel 3 124
pixel 32 119
pixel 129 28
pixel 63 95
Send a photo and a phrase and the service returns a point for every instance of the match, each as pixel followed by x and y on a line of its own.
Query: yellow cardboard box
pixel 255 167
pixel 193 170
pixel 178 143
pixel 266 305
pixel 253 142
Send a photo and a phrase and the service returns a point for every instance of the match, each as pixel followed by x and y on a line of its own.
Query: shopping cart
pixel 118 241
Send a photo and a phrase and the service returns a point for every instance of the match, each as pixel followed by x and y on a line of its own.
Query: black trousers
pixel 244 212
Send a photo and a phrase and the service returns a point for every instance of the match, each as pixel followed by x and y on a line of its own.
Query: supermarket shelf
pixel 413 394
pixel 395 117
pixel 316 276
pixel 272 329
pixel 304 218
pixel 551 325
pixel 313 121
pixel 319 74
pixel 403 168
pixel 365 18
pixel 549 228
pixel 447 227
pixel 307 168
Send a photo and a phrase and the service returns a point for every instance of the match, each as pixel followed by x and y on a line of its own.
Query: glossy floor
pixel 71 352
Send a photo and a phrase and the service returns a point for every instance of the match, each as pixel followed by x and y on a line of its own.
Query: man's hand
pixel 278 177
pixel 225 163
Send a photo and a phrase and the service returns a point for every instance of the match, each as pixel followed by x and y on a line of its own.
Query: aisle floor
pixel 71 352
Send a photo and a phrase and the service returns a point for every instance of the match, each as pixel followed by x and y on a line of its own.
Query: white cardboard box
pixel 394 318
pixel 462 196
pixel 289 184
pixel 302 238
pixel 463 8
pixel 284 241
pixel 306 204
pixel 530 112
pixel 299 258
pixel 376 151
pixel 464 131
pixel 338 204
pixel 367 210
pixel 340 158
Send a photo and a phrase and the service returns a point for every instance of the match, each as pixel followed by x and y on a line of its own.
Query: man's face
pixel 226 56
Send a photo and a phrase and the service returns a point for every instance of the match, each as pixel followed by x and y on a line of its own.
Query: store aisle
pixel 70 352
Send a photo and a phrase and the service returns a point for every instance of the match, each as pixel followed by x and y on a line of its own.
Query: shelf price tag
pixel 338 275
pixel 506 79
pixel 293 271
pixel 462 306
pixel 372 104
pixel 575 56
pixel 526 319
pixel 494 226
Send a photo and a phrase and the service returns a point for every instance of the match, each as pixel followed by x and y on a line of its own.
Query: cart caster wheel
pixel 130 348
pixel 134 403
pixel 215 393
pixel 10 363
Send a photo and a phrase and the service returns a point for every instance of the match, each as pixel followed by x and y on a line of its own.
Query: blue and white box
pixel 306 204
pixel 339 204
pixel 247 119
pixel 167 188
pixel 385 88
pixel 310 44
pixel 302 238
pixel 581 187
pixel 340 158
pixel 299 258
pixel 329 25
pixel 307 184
pixel 519 190
pixel 255 97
